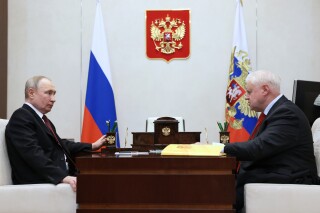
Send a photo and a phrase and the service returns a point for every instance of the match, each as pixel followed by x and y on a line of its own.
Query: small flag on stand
pixel 99 104
pixel 241 119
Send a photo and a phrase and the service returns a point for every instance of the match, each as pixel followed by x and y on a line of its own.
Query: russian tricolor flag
pixel 99 104
pixel 241 119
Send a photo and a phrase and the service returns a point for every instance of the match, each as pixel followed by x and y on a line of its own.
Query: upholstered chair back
pixel 316 139
pixel 5 169
pixel 150 124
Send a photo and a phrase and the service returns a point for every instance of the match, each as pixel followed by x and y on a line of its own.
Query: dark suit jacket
pixel 34 153
pixel 281 152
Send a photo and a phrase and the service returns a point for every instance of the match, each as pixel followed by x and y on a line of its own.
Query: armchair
pixel 31 198
pixel 286 198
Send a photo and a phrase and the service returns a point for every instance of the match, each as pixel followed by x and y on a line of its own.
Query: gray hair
pixel 33 83
pixel 261 77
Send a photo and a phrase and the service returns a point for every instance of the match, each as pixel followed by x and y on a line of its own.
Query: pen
pixel 131 153
pixel 125 140
pixel 205 129
pixel 226 125
pixel 220 126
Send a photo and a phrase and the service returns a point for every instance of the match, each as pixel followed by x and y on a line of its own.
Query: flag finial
pixel 241 3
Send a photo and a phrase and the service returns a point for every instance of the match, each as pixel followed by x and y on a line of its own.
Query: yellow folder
pixel 213 149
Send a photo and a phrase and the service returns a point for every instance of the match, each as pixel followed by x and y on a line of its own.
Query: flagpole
pixel 81 69
pixel 256 34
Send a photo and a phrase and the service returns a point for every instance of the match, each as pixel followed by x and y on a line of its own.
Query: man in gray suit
pixel 36 152
pixel 281 149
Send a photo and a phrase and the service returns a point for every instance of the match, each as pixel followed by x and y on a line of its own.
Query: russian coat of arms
pixel 237 106
pixel 167 34
pixel 234 92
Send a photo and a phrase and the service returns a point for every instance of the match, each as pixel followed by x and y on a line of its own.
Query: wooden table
pixel 155 183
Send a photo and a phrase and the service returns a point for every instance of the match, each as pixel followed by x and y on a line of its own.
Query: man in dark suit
pixel 36 153
pixel 281 149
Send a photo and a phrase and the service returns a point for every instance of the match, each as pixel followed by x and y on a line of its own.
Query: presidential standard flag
pixel 241 119
pixel 99 103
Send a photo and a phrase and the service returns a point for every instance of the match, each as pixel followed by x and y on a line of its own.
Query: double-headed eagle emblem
pixel 236 102
pixel 167 34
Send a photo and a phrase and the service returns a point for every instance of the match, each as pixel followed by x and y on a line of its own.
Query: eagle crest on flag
pixel 235 92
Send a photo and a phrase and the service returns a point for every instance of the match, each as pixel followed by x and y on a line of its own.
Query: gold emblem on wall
pixel 168 34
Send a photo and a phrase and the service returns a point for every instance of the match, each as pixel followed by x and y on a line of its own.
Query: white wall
pixel 53 38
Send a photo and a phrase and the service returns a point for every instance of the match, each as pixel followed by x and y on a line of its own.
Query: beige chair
pixel 150 124
pixel 316 139
pixel 286 198
pixel 316 130
pixel 31 198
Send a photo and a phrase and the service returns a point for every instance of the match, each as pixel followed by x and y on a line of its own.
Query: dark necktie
pixel 254 132
pixel 256 128
pixel 48 124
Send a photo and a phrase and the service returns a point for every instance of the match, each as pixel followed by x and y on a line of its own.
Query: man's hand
pixel 99 143
pixel 72 181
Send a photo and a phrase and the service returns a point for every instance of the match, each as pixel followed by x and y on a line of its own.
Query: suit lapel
pixel 40 122
pixel 273 108
pixel 277 104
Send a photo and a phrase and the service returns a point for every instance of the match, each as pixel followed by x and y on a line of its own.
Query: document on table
pixel 213 149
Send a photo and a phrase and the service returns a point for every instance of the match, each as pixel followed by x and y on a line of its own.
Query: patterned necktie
pixel 48 124
pixel 256 128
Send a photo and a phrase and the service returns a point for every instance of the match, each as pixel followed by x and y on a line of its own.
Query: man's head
pixel 40 92
pixel 262 87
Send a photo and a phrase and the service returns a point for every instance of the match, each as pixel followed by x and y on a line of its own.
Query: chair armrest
pixel 281 198
pixel 37 198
